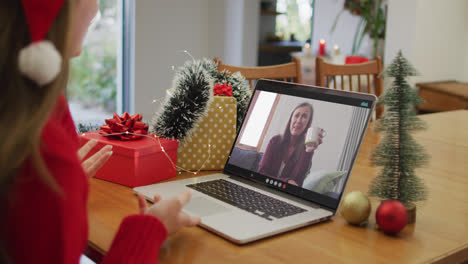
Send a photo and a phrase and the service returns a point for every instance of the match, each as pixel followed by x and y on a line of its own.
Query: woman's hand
pixel 293 182
pixel 312 147
pixel 169 211
pixel 95 162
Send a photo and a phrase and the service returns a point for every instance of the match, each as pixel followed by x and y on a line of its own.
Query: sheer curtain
pixel 356 126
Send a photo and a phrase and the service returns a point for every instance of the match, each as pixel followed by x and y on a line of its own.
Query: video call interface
pixel 300 145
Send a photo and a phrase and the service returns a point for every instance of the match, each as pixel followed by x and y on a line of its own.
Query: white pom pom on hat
pixel 40 61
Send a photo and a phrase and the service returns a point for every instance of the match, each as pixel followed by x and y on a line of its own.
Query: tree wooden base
pixel 411 212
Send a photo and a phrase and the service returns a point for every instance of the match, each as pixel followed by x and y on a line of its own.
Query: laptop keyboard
pixel 247 199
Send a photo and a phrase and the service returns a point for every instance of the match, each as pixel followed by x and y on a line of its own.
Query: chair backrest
pixel 362 77
pixel 285 72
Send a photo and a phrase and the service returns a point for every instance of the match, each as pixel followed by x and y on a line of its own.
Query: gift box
pixel 211 141
pixel 135 162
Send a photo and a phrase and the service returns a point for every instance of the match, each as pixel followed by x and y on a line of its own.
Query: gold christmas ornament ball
pixel 355 207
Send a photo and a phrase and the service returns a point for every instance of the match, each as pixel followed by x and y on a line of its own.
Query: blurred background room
pixel 129 57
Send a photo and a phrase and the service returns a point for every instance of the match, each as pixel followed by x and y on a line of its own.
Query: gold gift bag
pixel 210 142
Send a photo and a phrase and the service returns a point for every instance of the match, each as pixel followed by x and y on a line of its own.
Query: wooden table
pixel 443 96
pixel 440 234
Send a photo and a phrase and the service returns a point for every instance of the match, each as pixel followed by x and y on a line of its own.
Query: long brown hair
pixel 25 106
pixel 286 137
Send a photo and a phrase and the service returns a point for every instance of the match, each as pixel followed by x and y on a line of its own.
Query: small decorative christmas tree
pixel 398 153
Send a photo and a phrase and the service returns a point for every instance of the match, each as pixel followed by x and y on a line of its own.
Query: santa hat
pixel 40 61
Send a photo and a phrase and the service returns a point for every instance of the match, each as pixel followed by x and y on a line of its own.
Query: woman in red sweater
pixel 43 181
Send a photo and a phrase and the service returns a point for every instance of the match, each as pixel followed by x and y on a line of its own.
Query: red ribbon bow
pixel 125 126
pixel 222 89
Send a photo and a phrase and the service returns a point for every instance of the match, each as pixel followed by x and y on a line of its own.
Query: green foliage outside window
pixel 107 5
pixel 372 22
pixel 93 75
pixel 296 19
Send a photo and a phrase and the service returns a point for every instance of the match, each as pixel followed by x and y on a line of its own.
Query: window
pixel 258 119
pixel 98 83
pixel 297 20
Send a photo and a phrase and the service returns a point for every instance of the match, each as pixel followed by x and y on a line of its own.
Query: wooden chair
pixel 284 72
pixel 328 75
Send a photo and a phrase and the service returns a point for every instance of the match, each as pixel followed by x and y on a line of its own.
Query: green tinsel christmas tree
pixel 191 96
pixel 398 153
pixel 240 90
pixel 189 101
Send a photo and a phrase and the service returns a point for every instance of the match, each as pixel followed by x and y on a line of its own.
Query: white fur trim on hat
pixel 40 62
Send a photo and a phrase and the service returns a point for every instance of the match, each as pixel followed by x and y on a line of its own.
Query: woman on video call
pixel 287 157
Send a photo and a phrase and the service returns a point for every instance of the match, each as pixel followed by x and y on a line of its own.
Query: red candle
pixel 322 44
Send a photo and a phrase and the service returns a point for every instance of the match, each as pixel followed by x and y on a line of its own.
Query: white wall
pixel 401 29
pixel 432 34
pixel 251 27
pixel 464 76
pixel 206 28
pixel 439 46
pixel 241 31
pixel 162 30
pixel 233 41
pixel 328 154
pixel 325 14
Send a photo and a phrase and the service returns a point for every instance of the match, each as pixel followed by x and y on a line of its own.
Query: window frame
pixel 265 128
pixel 126 63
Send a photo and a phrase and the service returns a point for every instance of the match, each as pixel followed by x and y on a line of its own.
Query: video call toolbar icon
pixel 276 183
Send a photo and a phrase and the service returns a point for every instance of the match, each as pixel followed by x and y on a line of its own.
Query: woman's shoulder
pixel 276 139
pixel 66 118
pixel 59 149
pixel 59 135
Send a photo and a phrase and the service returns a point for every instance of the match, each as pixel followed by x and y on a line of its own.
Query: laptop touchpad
pixel 201 206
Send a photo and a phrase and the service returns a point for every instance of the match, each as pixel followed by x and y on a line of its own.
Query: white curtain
pixel 356 129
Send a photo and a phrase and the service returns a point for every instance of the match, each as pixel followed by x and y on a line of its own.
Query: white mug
pixel 312 135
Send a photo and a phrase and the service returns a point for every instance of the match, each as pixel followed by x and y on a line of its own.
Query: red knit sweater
pixel 43 226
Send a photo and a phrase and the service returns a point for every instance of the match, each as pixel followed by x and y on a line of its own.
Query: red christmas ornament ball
pixel 391 216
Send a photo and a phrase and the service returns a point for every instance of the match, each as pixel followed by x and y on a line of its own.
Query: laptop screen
pixel 302 140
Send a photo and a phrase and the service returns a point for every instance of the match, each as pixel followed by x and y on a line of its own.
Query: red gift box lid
pixel 132 148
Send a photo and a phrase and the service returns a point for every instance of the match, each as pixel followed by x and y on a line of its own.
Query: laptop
pixel 273 181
